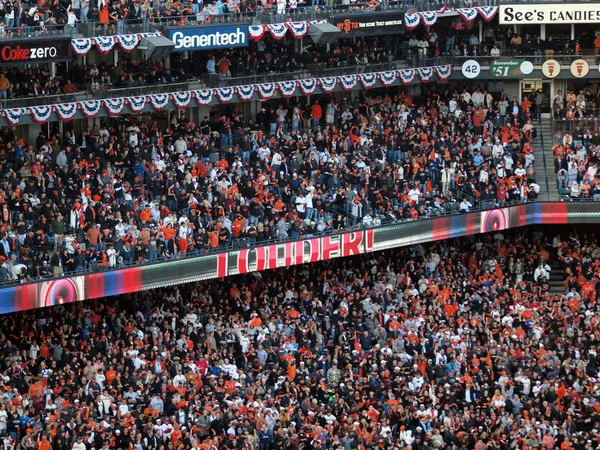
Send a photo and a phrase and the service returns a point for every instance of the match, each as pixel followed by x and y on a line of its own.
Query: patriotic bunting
pixel 287 88
pixel 298 29
pixel 425 73
pixel 487 12
pixel 245 92
pixel 91 108
pixel 128 42
pixel 468 14
pixel 104 43
pixel 308 86
pixel 368 80
pixel 407 75
pixel 348 82
pixel 443 72
pixel 81 47
pixel 429 18
pixel 66 111
pixel 40 114
pixel 182 99
pixel 137 104
pixel 387 78
pixel 225 94
pixel 13 115
pixel 277 30
pixel 159 101
pixel 328 84
pixel 256 32
pixel 411 21
pixel 204 96
pixel 266 90
pixel 114 106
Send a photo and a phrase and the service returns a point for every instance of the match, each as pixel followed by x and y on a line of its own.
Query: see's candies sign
pixel 32 51
pixel 207 38
pixel 556 13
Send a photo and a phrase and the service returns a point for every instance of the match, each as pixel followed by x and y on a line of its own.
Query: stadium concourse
pixel 486 342
pixel 127 192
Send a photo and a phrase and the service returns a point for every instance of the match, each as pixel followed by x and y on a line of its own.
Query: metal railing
pixel 351 221
pixel 209 16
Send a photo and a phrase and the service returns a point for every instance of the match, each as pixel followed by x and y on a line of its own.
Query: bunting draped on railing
pixel 105 44
pixel 204 97
pixel 40 114
pixel 429 18
pixel 279 30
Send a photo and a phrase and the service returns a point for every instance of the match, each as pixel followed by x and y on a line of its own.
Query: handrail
pixel 431 213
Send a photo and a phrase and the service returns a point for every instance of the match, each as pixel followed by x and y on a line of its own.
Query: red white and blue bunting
pixel 66 111
pixel 468 14
pixel 328 84
pixel 411 21
pixel 368 80
pixel 487 12
pixel 91 108
pixel 387 78
pixel 425 74
pixel 266 90
pixel 287 88
pixel 182 99
pixel 429 18
pixel 114 106
pixel 204 96
pixel 308 86
pixel 104 44
pixel 159 101
pixel 256 32
pixel 277 30
pixel 348 82
pixel 298 29
pixel 128 42
pixel 13 115
pixel 81 47
pixel 137 104
pixel 443 72
pixel 225 94
pixel 407 76
pixel 40 114
pixel 245 92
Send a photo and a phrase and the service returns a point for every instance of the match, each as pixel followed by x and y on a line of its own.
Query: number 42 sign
pixel 471 69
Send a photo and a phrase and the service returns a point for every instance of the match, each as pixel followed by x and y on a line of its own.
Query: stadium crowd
pixel 453 345
pixel 130 192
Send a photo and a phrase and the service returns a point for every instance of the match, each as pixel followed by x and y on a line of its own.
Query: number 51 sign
pixel 515 68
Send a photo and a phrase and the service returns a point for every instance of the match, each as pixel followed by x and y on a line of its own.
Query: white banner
pixel 556 13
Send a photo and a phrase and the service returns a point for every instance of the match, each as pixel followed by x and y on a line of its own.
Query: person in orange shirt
pixel 146 214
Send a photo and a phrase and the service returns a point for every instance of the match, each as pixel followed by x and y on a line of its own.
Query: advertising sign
pixel 515 68
pixel 368 24
pixel 283 254
pixel 538 13
pixel 30 51
pixel 207 38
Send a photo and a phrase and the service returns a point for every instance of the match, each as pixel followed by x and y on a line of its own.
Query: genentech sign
pixel 557 13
